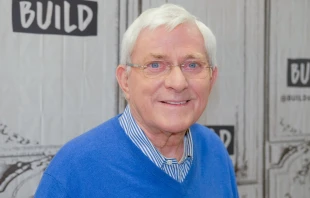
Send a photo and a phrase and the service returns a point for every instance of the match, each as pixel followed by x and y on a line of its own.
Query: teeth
pixel 176 103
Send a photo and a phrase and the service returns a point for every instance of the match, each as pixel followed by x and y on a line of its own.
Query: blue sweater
pixel 104 162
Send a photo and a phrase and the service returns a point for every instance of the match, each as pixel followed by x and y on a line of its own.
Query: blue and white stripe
pixel 177 170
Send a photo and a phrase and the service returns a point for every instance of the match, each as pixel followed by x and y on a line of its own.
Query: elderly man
pixel 153 149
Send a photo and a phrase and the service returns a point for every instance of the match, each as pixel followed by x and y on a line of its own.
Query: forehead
pixel 183 40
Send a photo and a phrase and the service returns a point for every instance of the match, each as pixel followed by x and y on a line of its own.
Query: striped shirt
pixel 176 170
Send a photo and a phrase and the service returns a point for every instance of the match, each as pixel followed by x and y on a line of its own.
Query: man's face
pixel 173 102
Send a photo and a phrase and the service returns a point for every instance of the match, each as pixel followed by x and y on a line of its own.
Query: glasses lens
pixel 153 74
pixel 191 74
pixel 198 74
pixel 156 69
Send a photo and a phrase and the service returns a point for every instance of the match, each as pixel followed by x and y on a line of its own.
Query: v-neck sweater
pixel 175 169
pixel 104 162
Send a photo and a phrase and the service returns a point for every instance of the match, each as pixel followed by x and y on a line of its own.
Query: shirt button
pixel 169 162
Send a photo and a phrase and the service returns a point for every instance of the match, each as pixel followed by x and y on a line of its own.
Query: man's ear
pixel 122 79
pixel 214 75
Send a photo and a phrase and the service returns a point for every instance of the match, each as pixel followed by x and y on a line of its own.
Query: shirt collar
pixel 138 137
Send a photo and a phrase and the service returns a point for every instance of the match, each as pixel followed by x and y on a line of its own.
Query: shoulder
pixel 97 135
pixel 207 140
pixel 81 156
pixel 88 145
pixel 204 133
pixel 214 159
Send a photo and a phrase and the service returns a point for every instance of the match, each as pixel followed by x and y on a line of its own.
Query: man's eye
pixel 154 65
pixel 192 65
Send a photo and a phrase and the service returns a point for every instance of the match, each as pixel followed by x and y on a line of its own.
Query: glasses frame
pixel 142 67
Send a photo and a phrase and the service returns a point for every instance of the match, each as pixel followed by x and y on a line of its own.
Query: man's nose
pixel 176 79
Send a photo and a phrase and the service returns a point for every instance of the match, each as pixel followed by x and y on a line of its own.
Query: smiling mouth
pixel 175 102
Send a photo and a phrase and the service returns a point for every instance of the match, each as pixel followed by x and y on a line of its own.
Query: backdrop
pixel 57 80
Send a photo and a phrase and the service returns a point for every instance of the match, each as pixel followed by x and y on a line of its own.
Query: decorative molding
pixel 23 160
pixel 241 166
pixel 290 175
pixel 241 169
pixel 289 128
pixel 13 138
pixel 289 151
pixel 302 174
pixel 21 164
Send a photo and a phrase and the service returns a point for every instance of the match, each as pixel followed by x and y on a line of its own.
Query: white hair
pixel 171 16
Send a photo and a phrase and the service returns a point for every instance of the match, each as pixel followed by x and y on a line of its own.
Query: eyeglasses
pixel 190 69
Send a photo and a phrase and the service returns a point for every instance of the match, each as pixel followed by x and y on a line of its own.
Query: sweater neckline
pixel 154 170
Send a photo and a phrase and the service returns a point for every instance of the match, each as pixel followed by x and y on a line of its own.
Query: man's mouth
pixel 175 102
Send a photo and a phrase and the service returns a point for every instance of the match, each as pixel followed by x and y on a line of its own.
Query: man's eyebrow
pixel 195 56
pixel 187 56
pixel 158 56
pixel 155 56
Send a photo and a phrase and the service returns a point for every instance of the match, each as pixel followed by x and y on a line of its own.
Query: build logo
pixel 298 73
pixel 65 17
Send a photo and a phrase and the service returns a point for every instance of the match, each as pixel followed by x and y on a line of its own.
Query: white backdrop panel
pixel 52 88
pixel 289 39
pixel 55 87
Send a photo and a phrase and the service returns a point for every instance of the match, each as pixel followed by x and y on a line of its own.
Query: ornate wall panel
pixel 249 191
pixel 289 93
pixel 53 87
pixel 289 70
pixel 289 171
pixel 56 83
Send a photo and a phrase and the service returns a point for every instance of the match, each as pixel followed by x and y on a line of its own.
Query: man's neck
pixel 170 145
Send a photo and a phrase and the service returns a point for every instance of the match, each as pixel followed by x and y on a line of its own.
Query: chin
pixel 176 127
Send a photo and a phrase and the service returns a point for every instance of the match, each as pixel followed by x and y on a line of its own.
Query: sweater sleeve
pixel 49 187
